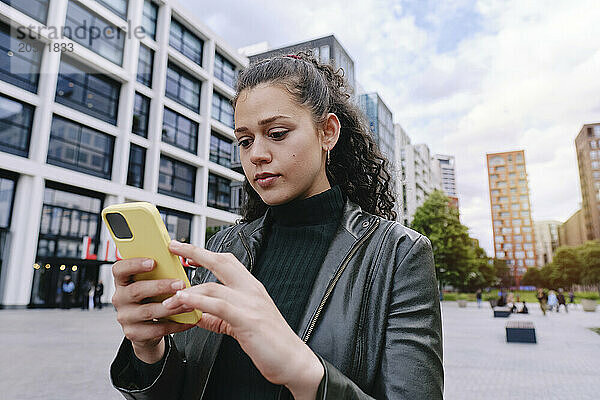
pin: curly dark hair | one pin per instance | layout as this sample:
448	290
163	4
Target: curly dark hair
356	163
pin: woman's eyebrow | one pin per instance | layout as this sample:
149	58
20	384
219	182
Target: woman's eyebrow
262	122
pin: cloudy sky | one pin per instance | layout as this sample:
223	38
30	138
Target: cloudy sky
466	77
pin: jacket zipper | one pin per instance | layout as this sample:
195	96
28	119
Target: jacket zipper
330	288
334	281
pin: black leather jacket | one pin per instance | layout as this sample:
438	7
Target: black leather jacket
373	317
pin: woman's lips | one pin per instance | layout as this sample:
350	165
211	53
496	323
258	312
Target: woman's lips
267	181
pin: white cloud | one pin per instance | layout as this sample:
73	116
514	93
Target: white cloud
526	78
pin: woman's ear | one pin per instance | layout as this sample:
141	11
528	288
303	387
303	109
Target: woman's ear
331	131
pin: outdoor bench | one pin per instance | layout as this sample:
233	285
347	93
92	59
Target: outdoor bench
520	332
501	312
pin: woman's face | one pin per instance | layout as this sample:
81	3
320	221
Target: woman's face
277	137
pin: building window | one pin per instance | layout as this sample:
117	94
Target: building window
80	148
184	41
324	54
178	224
220	150
222	110
79	19
182	87
36	9
137	162
176	179
145	63
597	131
15	126
179	131
141	113
7	192
91	93
224	70
119	7
18	67
66	218
149	18
219	192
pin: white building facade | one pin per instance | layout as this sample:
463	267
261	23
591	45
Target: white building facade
546	240
443	166
417	176
129	115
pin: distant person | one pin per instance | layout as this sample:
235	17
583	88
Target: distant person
552	300
85	295
571	297
478	297
510	298
98	294
524	309
543	299
561	300
67	288
501	300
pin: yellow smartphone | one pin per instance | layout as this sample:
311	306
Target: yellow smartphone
138	231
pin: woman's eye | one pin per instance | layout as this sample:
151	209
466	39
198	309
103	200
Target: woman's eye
243	143
277	134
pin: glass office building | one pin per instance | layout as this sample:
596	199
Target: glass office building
110	119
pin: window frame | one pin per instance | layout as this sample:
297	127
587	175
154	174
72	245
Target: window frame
174	164
192	136
22	151
76	145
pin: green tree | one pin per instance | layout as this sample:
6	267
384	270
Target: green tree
590	259
504	274
566	269
533	277
452	248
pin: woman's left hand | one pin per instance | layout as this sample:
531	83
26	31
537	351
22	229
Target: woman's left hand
241	308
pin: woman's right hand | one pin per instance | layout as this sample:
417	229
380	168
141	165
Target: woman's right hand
142	321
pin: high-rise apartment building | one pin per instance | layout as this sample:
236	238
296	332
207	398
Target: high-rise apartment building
572	232
141	114
444	166
417	177
546	240
587	145
326	49
514	237
381	123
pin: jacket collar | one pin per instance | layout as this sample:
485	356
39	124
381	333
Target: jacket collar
354	225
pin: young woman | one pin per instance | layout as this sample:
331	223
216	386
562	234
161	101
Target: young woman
317	292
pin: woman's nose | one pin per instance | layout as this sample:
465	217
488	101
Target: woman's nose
259	153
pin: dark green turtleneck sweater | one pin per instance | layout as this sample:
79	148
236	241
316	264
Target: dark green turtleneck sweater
288	263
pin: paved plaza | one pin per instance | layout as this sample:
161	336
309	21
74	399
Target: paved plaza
63	355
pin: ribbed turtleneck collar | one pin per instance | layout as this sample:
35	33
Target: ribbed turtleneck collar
315	210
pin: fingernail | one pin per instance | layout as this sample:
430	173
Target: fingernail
148	264
177	285
175	244
168	302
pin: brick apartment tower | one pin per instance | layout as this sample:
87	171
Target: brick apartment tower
514	239
587	145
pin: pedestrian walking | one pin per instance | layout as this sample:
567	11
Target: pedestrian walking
543	299
572	297
552	300
85	295
99	290
317	230
478	297
561	300
67	289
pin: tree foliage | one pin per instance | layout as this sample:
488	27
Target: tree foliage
458	260
569	266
